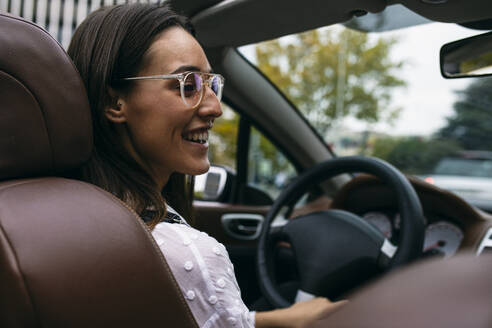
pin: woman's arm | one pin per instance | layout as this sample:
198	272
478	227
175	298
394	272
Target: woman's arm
299	315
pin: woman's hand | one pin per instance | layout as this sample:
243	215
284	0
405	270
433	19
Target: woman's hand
299	315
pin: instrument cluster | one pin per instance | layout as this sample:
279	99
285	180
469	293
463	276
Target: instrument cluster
442	237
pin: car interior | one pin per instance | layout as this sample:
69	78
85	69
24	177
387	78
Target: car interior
73	255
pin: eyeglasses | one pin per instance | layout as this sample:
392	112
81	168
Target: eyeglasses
192	85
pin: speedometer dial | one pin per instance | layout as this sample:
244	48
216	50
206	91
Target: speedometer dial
443	237
381	221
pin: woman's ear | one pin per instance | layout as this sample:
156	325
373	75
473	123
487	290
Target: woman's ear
115	112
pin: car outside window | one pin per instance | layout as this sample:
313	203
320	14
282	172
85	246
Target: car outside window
464	167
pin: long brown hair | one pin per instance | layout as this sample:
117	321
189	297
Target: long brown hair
109	45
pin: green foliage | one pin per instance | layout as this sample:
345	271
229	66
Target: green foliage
471	124
331	74
263	151
307	71
469	128
382	147
413	155
223	145
223	140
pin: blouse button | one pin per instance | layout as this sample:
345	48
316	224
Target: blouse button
221	282
188	265
216	250
186	242
212	299
190	295
232	320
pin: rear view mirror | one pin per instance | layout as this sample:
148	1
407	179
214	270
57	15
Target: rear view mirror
467	57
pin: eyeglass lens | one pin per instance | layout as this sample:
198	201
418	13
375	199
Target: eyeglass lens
193	87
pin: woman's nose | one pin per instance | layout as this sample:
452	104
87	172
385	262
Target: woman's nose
210	105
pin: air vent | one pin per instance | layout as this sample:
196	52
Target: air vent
486	244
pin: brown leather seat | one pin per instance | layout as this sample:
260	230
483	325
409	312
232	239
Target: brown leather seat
71	255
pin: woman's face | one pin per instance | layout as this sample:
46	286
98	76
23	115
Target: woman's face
159	127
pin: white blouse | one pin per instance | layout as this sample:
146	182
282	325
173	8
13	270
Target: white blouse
205	274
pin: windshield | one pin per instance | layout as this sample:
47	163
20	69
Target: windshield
381	94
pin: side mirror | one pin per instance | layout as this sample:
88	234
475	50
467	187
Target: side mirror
467	57
211	185
217	184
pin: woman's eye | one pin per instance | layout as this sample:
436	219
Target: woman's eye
189	89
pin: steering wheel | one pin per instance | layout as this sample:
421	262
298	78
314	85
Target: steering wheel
334	249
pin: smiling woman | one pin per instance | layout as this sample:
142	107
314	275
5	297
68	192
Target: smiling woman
153	100
122	161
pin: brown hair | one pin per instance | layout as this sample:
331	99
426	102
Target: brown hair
109	45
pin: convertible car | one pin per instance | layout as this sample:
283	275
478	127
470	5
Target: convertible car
331	110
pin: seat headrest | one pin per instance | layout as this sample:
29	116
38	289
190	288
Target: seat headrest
45	122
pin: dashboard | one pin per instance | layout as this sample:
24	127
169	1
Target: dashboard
452	225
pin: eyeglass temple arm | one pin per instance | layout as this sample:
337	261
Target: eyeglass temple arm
154	77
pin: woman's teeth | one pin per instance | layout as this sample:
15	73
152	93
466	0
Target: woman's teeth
201	137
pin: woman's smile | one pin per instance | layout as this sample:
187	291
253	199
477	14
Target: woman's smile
198	135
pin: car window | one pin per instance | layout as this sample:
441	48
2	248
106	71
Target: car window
223	138
222	152
268	169
381	94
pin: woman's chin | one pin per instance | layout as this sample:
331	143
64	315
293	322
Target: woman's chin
201	168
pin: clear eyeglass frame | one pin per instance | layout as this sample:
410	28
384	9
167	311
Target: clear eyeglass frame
207	79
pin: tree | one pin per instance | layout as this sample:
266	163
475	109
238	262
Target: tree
471	124
330	74
223	145
413	155
307	70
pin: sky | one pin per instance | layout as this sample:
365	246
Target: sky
428	98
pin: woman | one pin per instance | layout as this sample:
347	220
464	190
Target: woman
153	100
